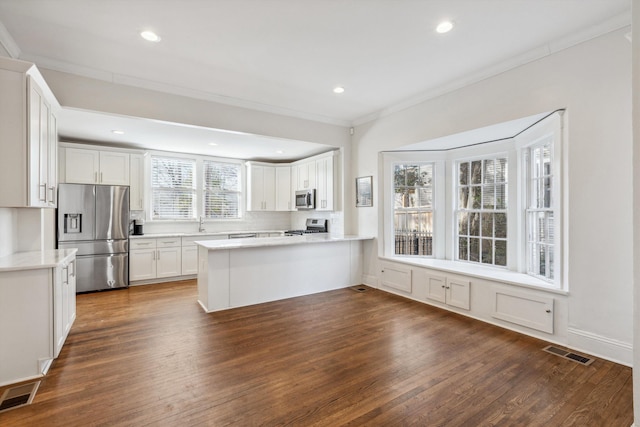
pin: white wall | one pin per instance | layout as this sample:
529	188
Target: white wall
592	81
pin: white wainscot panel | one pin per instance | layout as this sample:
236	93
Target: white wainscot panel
521	308
396	277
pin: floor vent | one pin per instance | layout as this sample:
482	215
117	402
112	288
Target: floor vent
358	288
16	397
568	355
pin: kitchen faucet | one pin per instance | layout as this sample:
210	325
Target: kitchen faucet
201	227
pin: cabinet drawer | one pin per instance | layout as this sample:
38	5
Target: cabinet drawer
167	242
142	243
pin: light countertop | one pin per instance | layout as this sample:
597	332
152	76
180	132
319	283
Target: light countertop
35	260
277	241
203	234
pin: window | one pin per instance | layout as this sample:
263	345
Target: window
173	188
222	193
481	213
540	211
413	208
489	208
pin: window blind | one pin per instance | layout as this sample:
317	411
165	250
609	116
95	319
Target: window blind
222	193
172	188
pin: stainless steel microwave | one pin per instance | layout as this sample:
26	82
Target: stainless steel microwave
306	199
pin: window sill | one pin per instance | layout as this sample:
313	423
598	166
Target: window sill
481	272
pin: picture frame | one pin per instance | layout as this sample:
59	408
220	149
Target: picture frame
364	191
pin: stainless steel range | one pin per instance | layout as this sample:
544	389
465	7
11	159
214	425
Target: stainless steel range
313	226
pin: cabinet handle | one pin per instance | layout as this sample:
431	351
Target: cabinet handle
101	177
44	197
73	263
66	275
158	255
95	177
53	193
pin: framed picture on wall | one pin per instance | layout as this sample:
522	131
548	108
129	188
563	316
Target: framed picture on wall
364	191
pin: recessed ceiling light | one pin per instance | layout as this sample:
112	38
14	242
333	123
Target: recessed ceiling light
279	152
338	89
444	27
118	132
150	36
213	144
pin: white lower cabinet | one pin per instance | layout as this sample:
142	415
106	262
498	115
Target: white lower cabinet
169	261
64	303
155	258
37	310
449	291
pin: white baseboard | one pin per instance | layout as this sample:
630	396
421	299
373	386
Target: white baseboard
599	346
370	280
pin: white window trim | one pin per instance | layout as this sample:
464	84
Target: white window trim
199	206
445	194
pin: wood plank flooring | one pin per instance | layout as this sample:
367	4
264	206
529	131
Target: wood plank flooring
150	356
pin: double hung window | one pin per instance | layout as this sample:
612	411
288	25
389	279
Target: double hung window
481	214
222	192
173	189
540	211
413	208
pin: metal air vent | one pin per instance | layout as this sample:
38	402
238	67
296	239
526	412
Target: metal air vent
568	355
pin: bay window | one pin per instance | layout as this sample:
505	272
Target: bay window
488	208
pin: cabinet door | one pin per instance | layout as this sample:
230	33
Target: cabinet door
136	179
169	262
189	260
269	189
114	168
81	166
52	169
142	264
38	147
283	188
71	296
256	189
59	311
306	175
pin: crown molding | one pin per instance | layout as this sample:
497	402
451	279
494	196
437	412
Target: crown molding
8	43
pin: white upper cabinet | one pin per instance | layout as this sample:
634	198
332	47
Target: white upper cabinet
283	188
84	166
306	175
324	183
28	136
262	187
136	180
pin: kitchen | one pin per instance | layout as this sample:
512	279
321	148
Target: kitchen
604	335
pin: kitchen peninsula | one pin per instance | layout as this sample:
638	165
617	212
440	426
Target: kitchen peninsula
240	272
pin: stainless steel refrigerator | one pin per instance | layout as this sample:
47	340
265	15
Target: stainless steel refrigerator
95	219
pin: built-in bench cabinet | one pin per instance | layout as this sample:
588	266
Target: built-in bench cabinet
29	137
37	310
525	309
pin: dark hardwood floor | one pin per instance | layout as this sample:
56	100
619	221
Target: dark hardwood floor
150	356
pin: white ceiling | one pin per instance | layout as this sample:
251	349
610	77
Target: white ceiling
285	56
